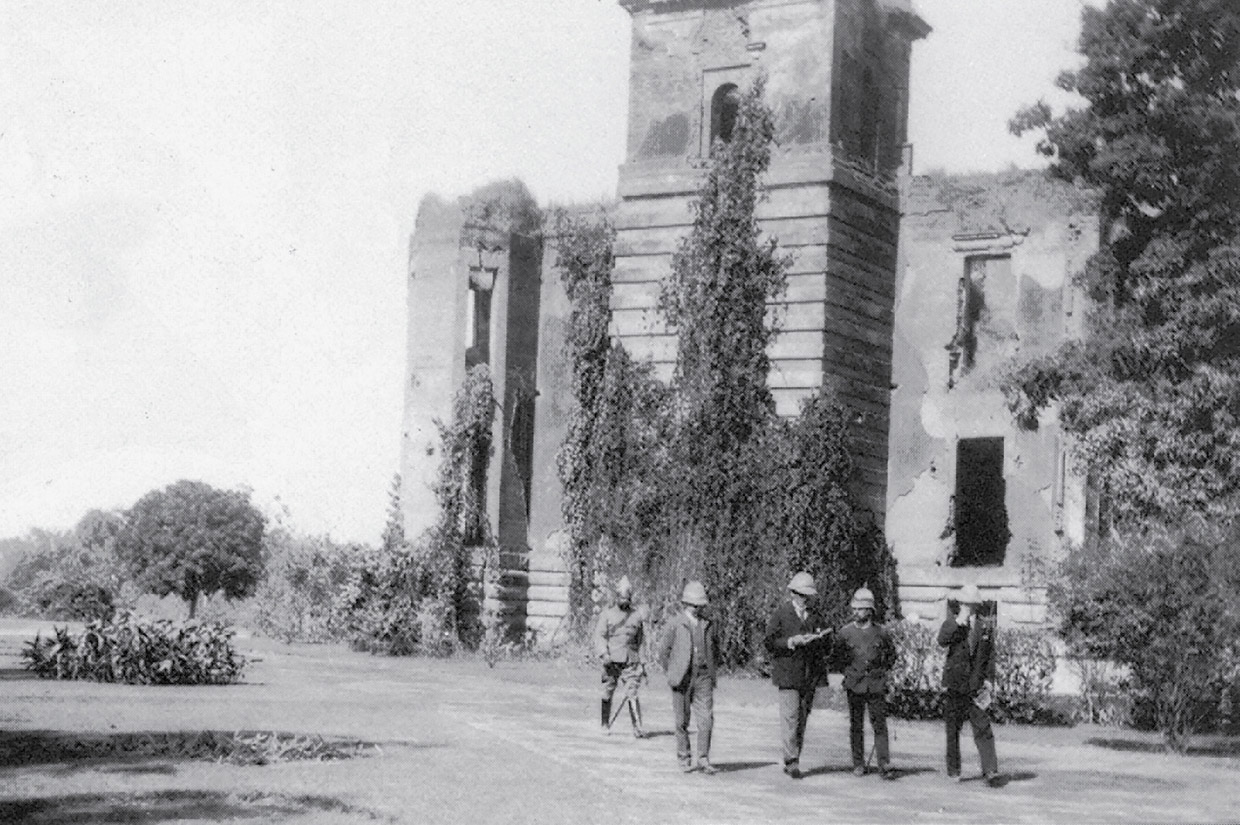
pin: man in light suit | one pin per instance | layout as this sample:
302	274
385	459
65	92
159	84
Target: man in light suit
688	653
968	676
794	640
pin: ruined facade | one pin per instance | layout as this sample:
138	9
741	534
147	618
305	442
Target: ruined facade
905	296
986	275
837	80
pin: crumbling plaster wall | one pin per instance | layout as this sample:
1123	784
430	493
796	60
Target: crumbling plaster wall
487	237
1049	229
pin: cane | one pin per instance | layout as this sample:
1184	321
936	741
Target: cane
619	708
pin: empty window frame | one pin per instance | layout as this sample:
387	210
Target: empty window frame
724	106
970	302
980	503
477	326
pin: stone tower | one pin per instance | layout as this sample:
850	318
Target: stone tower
837	80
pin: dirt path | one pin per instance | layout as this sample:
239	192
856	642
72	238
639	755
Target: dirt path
464	743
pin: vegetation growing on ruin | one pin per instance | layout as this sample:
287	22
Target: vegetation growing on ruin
700	478
421	595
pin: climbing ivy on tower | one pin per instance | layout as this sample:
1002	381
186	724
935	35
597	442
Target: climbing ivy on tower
700	478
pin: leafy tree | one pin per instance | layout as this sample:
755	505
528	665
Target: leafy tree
192	539
70	575
1163	602
1152	390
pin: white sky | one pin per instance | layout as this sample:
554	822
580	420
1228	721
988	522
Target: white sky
205	210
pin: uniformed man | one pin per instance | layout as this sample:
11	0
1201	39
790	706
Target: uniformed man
617	642
866	653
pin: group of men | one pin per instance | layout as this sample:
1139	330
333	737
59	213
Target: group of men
801	648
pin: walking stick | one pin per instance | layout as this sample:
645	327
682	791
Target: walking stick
619	708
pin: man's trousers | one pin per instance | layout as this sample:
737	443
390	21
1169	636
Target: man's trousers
877	704
956	708
698	699
794	708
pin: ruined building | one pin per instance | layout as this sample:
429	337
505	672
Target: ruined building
986	274
483	288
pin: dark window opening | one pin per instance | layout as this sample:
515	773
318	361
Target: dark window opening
478	331
521	441
474	510
724	106
981	510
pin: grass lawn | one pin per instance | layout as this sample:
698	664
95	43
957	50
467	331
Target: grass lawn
459	742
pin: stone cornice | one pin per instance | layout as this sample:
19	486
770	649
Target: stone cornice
675	177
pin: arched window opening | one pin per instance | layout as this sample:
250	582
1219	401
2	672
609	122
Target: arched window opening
724	105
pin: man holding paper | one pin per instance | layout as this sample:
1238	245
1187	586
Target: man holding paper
794	642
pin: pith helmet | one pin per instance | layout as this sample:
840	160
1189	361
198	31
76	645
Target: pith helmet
803	583
969	594
694	594
624	588
863	598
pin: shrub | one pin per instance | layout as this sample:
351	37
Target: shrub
304	576
379	607
138	651
1163	603
1024	665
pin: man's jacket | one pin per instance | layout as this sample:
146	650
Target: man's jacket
970	655
618	635
865	655
800	668
676	650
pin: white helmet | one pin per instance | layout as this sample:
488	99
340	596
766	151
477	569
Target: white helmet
803	583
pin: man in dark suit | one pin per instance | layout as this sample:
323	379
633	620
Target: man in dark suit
794	642
688	654
968	676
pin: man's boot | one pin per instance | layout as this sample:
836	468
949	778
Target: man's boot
606	716
635	716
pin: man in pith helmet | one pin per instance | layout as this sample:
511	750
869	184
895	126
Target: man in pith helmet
688	653
794	640
866	653
617	642
968	678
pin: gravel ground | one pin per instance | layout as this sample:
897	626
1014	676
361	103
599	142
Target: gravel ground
460	742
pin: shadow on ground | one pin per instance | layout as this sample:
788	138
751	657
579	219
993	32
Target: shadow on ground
1225	748
84	750
732	767
168	806
900	773
822	770
1007	778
